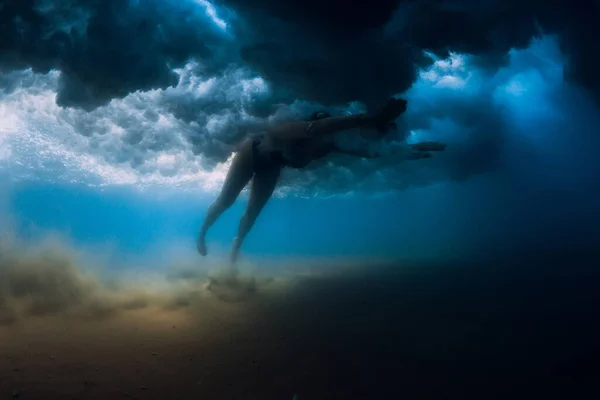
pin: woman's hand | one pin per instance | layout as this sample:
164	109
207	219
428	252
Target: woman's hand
417	155
428	146
422	149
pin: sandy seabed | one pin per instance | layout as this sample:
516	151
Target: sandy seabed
516	328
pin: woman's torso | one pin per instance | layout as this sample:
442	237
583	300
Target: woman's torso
294	153
299	153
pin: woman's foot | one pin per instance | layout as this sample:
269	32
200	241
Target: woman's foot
392	110
235	251
201	245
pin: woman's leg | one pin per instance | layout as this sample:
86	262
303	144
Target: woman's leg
263	185
238	176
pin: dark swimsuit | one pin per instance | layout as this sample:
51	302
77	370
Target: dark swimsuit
263	160
274	159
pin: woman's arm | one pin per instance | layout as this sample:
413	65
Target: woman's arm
331	125
327	126
415	151
360	153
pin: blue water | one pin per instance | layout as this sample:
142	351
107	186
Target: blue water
442	221
390	226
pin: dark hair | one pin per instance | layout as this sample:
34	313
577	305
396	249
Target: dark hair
317	115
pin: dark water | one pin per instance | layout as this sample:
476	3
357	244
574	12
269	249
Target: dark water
512	327
524	326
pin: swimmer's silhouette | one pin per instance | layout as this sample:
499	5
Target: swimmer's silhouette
292	145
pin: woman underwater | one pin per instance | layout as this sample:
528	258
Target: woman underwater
292	145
